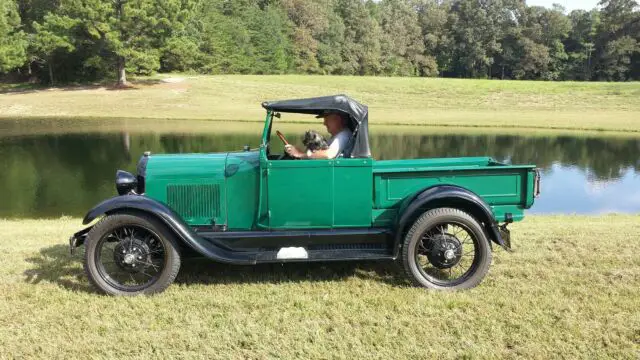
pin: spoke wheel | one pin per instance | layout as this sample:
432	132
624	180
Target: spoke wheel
446	249
446	253
130	258
130	254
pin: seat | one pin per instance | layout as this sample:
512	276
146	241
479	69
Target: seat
346	152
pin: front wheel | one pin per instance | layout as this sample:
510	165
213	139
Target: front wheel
446	249
130	255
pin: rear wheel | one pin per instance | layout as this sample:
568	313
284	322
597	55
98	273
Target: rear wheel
446	249
130	255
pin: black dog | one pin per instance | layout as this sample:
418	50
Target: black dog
314	141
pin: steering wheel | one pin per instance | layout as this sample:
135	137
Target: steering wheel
285	142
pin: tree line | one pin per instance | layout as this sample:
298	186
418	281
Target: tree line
84	40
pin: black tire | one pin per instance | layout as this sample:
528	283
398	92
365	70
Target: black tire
155	234
430	225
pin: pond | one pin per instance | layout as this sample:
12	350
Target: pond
48	175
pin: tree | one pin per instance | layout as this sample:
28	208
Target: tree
130	33
548	27
52	36
401	42
68	40
580	44
617	57
224	39
434	18
618	40
12	40
310	20
361	45
272	51
330	44
476	28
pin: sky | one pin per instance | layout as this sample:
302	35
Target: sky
568	4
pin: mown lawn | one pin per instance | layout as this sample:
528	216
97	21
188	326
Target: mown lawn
414	101
570	290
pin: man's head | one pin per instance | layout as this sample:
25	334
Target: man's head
334	121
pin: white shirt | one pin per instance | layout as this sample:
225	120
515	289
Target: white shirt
338	143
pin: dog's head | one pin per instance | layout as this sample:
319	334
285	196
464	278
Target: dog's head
314	141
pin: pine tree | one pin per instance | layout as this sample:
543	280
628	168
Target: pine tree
129	32
12	40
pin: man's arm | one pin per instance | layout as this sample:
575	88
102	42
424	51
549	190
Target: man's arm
330	153
294	151
323	154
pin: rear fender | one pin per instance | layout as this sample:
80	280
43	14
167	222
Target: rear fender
182	231
446	196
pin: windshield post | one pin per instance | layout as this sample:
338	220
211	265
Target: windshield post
267	126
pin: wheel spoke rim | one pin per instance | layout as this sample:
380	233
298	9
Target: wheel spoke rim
453	239
130	257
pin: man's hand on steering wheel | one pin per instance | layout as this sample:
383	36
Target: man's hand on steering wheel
289	150
293	152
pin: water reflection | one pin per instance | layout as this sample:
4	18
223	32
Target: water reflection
53	175
604	158
569	189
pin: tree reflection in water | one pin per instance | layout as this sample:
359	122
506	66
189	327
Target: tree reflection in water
53	175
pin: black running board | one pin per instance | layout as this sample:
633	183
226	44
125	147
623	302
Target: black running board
330	253
241	241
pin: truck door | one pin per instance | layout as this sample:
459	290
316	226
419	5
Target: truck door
352	192
300	194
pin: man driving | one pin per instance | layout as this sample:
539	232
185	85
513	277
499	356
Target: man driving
336	124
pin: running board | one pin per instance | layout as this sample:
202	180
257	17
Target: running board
325	253
251	241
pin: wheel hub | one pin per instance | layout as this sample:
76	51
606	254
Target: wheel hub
449	255
129	259
132	255
445	251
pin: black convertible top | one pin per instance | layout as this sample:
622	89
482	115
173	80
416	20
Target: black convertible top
358	116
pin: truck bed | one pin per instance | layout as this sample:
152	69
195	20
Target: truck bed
506	188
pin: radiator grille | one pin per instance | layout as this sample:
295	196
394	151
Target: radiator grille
195	201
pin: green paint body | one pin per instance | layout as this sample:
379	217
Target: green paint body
251	190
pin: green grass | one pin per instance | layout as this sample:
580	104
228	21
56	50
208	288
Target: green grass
570	290
392	101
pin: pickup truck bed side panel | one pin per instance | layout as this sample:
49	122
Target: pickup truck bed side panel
507	189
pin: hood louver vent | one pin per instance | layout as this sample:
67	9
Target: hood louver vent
197	201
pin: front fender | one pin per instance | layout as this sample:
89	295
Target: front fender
452	196
172	220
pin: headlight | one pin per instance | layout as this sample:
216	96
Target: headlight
125	182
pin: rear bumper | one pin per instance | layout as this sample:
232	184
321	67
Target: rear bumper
536	183
506	236
78	239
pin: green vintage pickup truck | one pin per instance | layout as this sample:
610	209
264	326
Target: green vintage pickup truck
438	218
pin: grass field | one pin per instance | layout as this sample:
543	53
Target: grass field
570	290
392	101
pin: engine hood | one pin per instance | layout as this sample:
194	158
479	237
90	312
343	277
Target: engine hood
177	165
196	186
